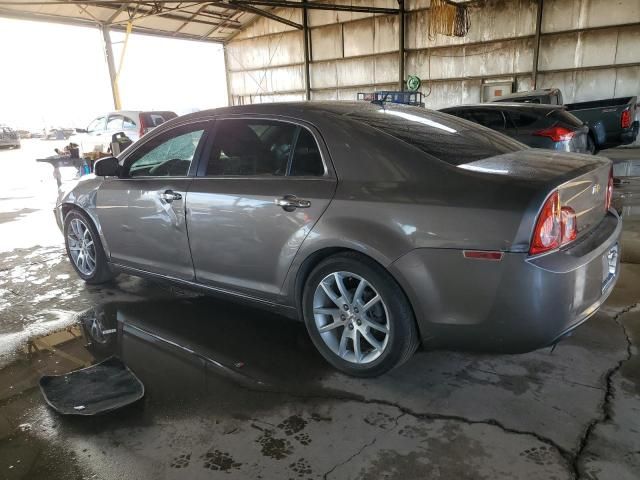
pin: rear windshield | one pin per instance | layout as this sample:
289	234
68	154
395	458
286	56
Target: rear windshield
566	117
155	119
445	137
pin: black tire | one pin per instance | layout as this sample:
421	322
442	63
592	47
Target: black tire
101	273
591	145
402	333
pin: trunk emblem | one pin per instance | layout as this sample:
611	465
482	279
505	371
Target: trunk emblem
595	189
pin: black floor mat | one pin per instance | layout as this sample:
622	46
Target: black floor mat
97	389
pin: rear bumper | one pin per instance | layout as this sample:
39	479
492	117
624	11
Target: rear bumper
517	304
630	135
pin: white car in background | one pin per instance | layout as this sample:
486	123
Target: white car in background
98	134
9	137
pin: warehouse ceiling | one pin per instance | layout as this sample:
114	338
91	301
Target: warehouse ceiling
215	21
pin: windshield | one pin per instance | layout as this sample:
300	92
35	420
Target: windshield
445	137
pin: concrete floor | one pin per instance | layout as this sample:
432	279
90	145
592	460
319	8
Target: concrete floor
236	393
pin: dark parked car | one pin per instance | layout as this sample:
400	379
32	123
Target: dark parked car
612	121
539	126
380	226
9	137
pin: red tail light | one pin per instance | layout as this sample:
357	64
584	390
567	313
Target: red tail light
555	226
557	134
569	225
609	195
547	234
625	119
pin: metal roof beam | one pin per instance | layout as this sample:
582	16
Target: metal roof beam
317	6
267	3
80	22
272	16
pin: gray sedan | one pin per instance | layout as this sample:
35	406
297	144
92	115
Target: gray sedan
381	227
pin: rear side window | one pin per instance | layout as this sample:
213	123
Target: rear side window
251	147
442	136
523	119
493	119
565	117
306	161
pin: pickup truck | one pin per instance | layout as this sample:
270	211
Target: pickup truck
611	122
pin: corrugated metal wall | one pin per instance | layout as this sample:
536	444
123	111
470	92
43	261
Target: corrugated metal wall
589	48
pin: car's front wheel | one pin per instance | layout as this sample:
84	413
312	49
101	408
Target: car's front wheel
85	249
358	317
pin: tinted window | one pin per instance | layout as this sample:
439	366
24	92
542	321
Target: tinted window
251	147
489	118
522	119
442	136
566	117
169	154
306	159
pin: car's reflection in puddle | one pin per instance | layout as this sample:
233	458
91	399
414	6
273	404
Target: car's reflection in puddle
193	352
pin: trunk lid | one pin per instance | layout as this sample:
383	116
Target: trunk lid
581	180
586	194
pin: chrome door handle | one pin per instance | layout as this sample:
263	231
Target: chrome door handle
169	196
291	202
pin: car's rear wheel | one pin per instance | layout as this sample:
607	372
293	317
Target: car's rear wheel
591	145
85	249
358	317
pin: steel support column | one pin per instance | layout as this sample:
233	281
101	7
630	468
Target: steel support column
307	44
227	75
536	45
108	50
401	45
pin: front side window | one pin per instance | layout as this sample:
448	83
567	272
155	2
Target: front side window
114	122
95	125
167	155
251	147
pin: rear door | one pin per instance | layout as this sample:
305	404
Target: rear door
254	200
142	213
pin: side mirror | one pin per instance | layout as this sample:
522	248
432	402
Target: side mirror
107	167
81	130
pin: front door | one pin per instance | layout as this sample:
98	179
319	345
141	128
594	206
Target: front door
142	213
254	201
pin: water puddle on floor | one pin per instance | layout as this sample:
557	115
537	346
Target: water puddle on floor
196	357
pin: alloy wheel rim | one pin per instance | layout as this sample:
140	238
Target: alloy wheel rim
81	247
351	317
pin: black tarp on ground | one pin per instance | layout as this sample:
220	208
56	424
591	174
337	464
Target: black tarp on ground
101	388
